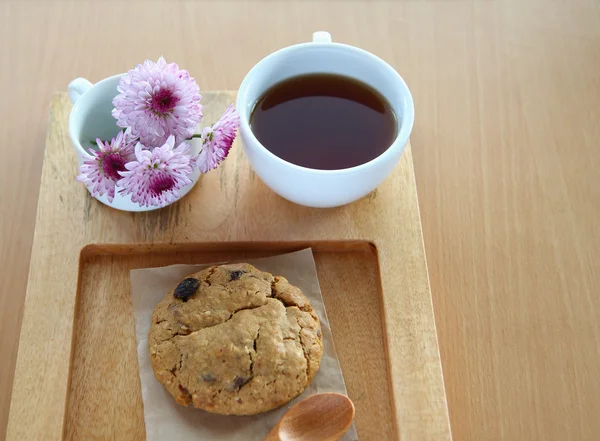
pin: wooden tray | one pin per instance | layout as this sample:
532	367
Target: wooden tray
77	377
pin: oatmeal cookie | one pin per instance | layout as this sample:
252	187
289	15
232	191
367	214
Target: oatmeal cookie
235	340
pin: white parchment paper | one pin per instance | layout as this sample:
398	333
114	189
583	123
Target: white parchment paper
167	420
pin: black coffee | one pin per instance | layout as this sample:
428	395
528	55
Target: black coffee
324	121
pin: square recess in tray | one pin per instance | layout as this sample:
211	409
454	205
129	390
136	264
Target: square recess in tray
105	399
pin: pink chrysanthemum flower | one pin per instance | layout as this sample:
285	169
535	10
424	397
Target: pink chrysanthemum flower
217	140
100	169
156	176
158	100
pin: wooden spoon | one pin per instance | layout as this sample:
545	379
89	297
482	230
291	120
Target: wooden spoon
320	417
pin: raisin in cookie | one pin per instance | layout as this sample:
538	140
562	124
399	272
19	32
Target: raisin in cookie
235	340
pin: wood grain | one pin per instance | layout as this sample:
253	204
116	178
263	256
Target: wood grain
77	344
505	150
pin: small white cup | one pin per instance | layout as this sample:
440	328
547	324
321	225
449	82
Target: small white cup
323	188
91	118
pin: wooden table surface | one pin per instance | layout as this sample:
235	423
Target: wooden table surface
507	157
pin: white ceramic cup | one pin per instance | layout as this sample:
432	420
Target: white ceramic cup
91	118
323	188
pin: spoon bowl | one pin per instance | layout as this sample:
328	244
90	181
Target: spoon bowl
320	417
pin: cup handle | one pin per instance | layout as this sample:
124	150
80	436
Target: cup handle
321	37
78	87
